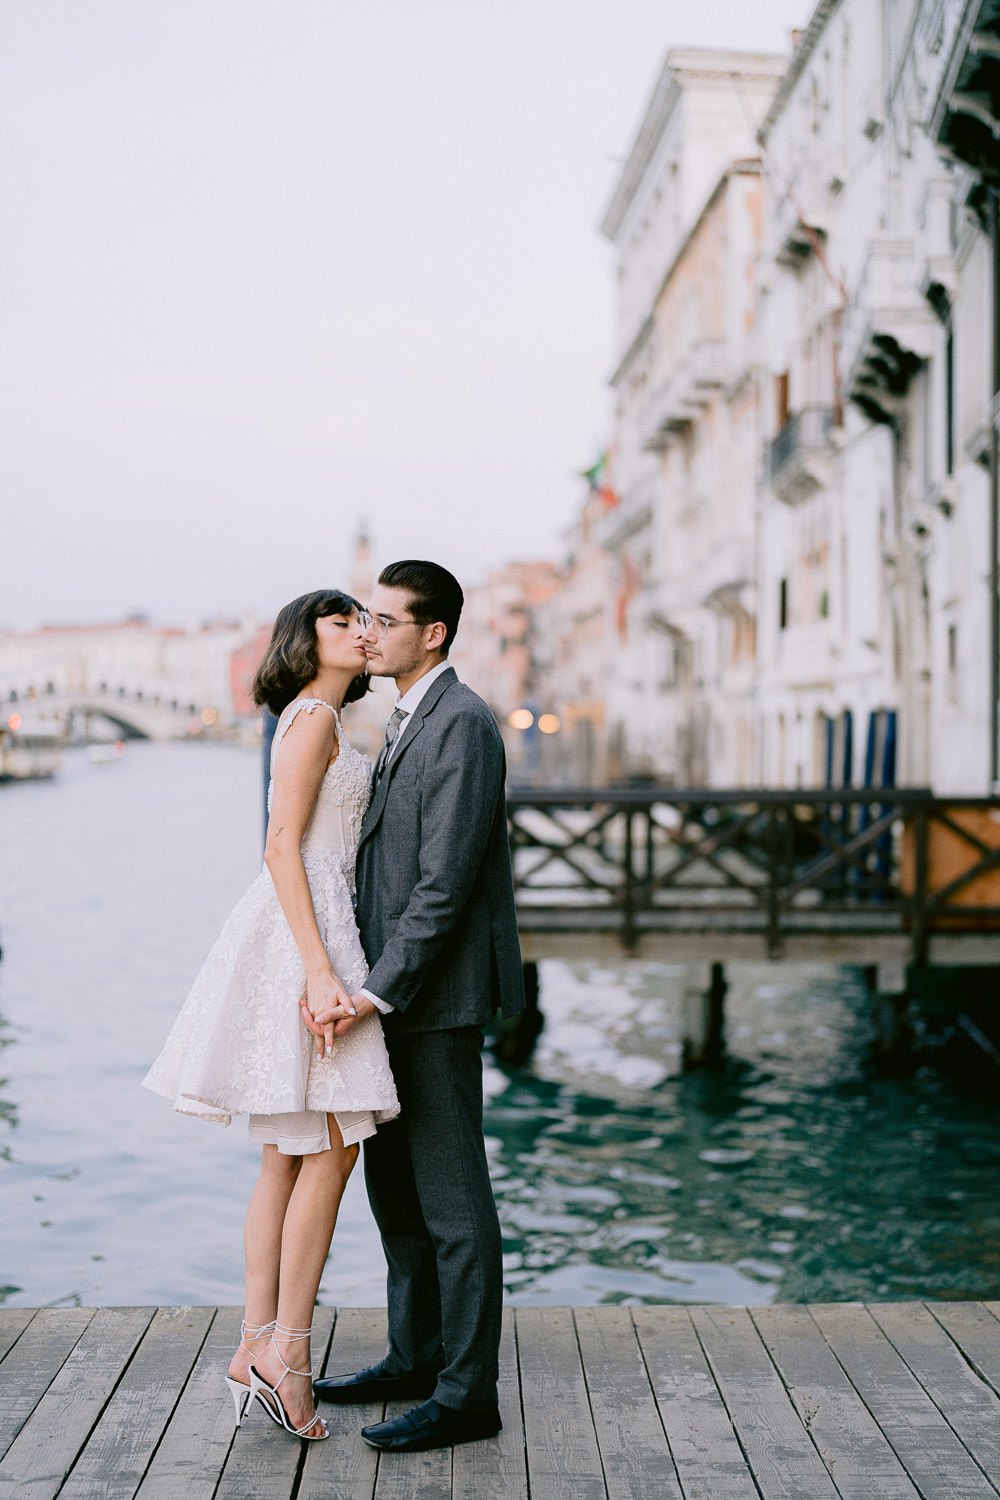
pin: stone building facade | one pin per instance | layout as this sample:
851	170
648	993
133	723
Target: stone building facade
797	575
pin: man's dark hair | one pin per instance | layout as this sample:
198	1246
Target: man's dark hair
435	594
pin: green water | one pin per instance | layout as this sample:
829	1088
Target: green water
791	1173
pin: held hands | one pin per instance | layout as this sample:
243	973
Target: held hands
339	1020
325	1004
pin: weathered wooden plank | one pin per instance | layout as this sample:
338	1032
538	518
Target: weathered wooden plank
971	1408
564	1462
495	1470
779	1450
13	1322
634	1451
264	1460
344	1467
121	1445
34	1362
705	1448
850	1443
976	1332
413	1476
47	1446
194	1448
938	1464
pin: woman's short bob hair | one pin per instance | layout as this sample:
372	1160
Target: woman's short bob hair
292	658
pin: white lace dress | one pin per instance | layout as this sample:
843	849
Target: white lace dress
239	1045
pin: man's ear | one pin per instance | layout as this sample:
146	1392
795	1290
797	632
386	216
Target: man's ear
435	637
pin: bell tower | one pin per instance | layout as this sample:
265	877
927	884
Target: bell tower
362	572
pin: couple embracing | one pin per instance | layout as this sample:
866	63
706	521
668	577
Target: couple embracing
344	1002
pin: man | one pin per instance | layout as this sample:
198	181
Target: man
437	921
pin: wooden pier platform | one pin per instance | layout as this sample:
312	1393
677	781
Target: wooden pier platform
878	1402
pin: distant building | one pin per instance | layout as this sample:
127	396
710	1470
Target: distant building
685	217
498	649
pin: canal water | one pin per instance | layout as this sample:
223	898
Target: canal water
793	1173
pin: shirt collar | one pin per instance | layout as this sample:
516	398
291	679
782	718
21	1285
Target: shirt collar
409	700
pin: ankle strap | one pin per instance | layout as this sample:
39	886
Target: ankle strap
281	1332
254	1331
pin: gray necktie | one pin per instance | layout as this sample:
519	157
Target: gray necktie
391	731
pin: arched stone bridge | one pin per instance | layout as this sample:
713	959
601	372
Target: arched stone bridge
135	716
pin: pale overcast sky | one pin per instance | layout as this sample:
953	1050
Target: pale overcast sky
269	268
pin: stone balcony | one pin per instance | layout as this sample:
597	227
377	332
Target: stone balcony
725	576
677	401
800	457
889	327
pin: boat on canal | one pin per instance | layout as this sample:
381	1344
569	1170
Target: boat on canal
30	750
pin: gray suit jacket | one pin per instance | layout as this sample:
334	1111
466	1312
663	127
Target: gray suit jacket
435	892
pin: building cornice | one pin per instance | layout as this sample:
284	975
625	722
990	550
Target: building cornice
681	65
662	103
818	22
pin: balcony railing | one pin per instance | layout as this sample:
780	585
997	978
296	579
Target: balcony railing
799	453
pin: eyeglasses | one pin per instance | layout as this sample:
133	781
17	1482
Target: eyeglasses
382	624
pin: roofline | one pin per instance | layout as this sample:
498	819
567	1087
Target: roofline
666	90
818	22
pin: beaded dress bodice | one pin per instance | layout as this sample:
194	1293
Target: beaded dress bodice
335	826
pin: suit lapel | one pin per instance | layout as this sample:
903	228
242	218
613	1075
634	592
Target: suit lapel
433	694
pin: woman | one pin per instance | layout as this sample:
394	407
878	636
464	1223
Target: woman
240	1044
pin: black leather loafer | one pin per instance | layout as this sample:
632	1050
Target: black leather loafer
432	1426
375	1384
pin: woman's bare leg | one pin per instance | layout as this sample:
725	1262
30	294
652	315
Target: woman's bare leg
262	1251
309	1222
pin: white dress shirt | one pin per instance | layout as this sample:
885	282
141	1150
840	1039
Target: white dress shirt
407	702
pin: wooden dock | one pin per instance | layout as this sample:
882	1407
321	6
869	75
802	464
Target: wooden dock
883	1402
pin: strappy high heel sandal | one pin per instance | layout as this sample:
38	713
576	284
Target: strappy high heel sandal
240	1392
261	1391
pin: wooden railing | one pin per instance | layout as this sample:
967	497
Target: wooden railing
636	860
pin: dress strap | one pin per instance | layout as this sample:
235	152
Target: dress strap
310	705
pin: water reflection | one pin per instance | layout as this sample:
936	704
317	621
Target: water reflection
788	1174
8	1109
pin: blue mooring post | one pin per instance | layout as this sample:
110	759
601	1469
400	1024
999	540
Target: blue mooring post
270	724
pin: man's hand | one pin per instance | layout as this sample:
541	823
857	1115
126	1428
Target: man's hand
338	1021
325	1000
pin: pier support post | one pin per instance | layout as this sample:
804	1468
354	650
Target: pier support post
888	985
704	1014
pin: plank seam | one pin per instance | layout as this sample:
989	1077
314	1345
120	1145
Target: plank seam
24	1330
887	1435
969	1359
930	1398
184	1385
304	1447
788	1391
55	1373
590	1404
520	1404
656	1403
726	1407
107	1402
121	1376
